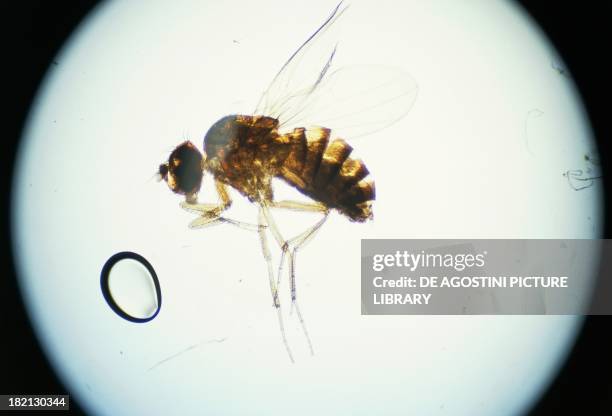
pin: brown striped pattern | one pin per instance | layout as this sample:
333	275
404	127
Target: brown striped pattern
324	172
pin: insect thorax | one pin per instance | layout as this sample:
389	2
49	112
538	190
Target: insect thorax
240	152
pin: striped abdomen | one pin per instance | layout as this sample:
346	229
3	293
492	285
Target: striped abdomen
324	172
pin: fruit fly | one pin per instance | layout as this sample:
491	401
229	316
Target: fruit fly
246	152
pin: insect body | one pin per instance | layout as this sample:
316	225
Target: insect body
246	152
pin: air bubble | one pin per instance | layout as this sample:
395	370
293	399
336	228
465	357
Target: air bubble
130	287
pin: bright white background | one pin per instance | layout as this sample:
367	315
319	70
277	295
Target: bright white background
481	154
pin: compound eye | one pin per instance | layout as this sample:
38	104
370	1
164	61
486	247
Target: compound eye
184	169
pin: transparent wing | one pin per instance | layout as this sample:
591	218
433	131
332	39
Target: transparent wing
298	77
353	101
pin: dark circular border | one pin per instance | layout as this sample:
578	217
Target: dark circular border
104	284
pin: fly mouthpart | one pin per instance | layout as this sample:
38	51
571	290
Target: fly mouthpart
162	173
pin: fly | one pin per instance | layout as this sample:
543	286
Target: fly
246	152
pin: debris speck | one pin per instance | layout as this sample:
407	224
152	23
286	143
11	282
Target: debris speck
191	347
559	68
579	180
588	157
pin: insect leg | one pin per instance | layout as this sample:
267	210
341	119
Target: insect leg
202	222
273	288
210	214
295	206
282	243
299	242
209	210
296	242
299	206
